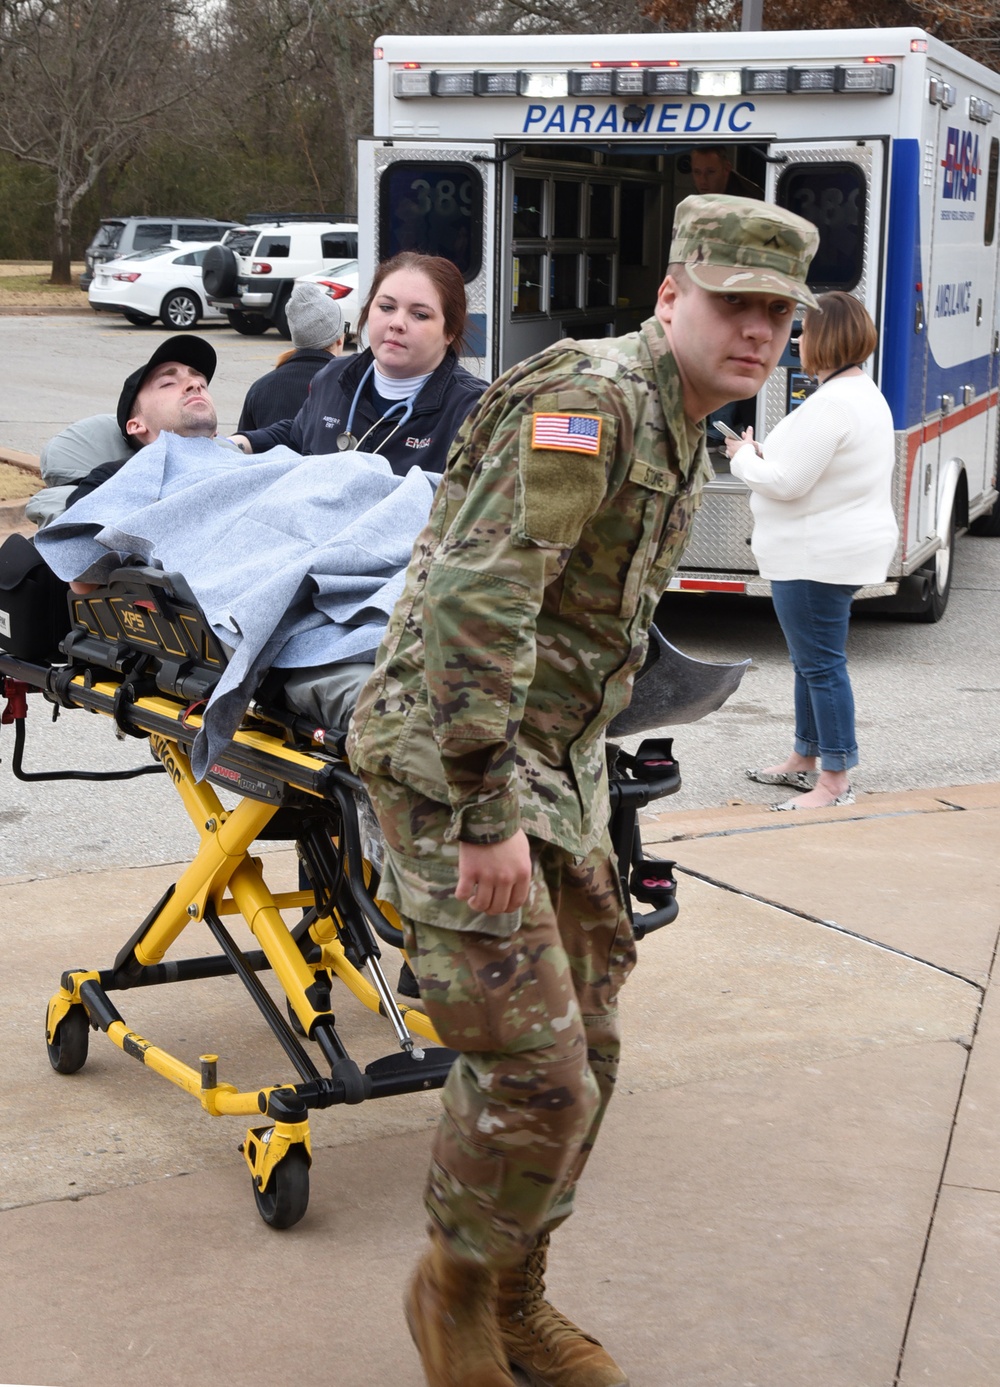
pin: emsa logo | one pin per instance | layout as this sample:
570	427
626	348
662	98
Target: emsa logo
960	164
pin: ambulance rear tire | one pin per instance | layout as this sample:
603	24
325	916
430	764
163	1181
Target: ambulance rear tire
939	574
987	526
286	1198
68	1046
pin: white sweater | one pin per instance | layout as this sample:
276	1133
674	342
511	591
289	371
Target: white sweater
822	492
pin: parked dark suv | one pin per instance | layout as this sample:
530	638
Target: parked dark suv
117	236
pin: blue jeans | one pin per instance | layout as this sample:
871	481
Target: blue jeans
814	618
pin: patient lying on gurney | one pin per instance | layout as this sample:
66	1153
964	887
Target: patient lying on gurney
296	562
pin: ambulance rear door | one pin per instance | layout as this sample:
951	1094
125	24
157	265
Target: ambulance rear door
438	198
839	186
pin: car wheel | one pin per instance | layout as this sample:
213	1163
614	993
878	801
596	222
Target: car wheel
247	324
180	310
138	319
219	271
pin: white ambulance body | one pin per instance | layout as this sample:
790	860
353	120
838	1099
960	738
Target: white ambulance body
548	168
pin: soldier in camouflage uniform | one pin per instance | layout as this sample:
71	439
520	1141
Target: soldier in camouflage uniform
563	513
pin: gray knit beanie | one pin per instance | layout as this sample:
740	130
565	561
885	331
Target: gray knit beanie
315	319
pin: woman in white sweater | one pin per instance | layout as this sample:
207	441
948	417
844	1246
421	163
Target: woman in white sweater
823	527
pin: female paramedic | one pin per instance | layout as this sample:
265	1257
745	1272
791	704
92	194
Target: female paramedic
406	395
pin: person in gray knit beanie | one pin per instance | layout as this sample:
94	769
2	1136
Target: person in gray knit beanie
316	325
314	318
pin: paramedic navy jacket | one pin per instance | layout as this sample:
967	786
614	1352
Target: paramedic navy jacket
423	441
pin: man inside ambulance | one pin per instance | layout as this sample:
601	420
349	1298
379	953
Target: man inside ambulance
713	172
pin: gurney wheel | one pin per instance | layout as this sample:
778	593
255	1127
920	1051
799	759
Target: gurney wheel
286	1198
68	1047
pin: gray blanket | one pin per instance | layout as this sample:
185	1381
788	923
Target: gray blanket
295	561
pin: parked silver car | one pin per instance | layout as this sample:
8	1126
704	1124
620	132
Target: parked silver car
118	236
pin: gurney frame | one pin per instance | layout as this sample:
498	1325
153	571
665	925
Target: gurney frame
141	653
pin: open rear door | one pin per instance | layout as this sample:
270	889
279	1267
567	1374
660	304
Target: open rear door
839	186
437	198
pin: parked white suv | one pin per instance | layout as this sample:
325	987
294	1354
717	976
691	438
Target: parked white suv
252	289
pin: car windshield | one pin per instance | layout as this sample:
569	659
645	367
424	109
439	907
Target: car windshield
109	234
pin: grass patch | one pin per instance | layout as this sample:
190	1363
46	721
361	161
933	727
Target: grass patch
33	284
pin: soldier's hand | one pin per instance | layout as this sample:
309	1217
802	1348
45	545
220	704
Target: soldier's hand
494	877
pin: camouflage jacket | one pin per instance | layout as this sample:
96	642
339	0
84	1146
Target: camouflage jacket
524	619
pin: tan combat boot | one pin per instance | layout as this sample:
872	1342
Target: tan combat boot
548	1348
451	1308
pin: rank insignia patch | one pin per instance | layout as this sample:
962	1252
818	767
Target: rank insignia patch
572	433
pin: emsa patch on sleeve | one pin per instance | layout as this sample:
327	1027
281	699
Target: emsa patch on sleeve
567	433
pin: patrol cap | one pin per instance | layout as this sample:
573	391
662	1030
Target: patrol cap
737	245
189	351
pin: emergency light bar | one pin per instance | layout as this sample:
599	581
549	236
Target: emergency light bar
759	81
669	81
980	110
619	81
637	80
708	82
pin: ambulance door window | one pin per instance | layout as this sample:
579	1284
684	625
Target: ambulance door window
834	198
435	209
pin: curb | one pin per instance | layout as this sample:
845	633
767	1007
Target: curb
678	825
28	462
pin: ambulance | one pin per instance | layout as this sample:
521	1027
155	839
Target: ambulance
548	168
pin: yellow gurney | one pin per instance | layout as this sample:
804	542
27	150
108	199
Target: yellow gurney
141	653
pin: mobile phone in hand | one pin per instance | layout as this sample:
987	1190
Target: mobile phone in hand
725	430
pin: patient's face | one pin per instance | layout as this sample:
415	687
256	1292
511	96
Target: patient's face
173	397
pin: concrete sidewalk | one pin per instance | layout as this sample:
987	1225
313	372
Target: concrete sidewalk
798	1184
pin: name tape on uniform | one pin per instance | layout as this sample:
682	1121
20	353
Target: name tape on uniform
572	433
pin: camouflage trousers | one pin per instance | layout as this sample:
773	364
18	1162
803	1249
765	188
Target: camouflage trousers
529	1002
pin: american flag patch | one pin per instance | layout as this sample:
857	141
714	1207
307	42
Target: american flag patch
573	433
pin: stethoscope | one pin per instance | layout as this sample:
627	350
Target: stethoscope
346	440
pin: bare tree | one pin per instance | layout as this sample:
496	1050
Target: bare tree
80	81
971	25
